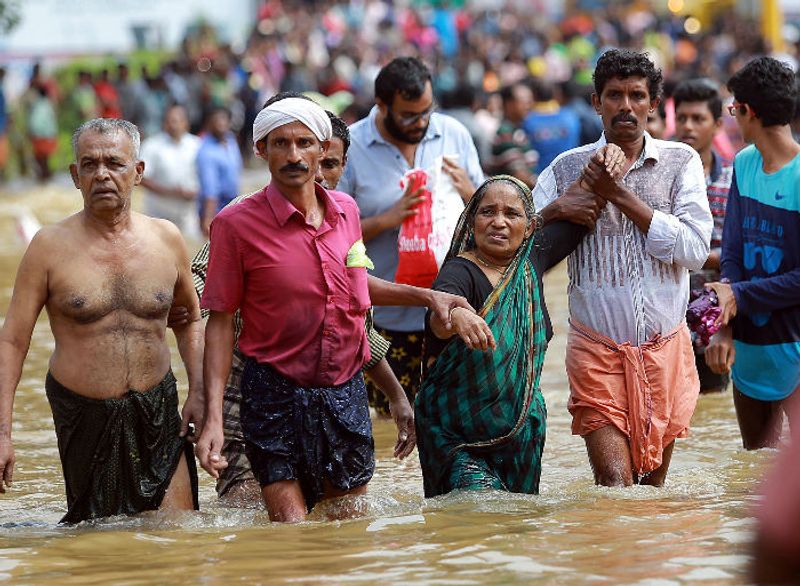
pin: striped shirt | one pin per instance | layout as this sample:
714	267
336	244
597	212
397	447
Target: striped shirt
718	185
624	284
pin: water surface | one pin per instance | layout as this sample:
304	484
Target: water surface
694	530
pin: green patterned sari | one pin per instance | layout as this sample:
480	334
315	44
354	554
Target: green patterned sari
480	416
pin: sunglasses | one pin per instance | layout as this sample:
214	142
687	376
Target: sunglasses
410	119
733	108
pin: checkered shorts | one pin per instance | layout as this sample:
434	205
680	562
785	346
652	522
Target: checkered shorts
238	469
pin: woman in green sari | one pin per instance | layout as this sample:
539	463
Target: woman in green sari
480	415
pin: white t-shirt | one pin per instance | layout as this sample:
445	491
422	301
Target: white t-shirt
172	164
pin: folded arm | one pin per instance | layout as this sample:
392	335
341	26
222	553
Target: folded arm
683	237
575	204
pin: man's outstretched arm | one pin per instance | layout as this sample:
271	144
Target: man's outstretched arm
440	303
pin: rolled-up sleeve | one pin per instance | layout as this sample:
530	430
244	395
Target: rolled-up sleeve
683	237
546	190
472	163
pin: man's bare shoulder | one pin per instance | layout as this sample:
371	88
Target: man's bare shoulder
162	235
56	237
52	246
158	227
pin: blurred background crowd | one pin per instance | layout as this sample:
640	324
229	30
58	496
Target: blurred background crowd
192	75
482	53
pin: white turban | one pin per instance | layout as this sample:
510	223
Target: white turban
292	110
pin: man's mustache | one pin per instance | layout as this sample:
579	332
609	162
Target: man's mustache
623	117
295	167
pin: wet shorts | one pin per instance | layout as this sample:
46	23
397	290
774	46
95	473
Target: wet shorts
308	434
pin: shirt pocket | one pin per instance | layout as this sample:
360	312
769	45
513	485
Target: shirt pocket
359	291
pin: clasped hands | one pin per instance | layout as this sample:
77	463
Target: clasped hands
602	173
584	200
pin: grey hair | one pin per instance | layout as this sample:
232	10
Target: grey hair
107	126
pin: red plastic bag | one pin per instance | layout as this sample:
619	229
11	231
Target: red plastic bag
417	262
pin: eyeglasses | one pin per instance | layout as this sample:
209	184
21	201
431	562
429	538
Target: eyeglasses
410	119
733	108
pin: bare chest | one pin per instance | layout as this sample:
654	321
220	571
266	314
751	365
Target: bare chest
88	291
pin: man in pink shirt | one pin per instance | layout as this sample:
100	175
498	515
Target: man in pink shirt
292	260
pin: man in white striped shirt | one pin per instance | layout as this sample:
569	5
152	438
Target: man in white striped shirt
633	386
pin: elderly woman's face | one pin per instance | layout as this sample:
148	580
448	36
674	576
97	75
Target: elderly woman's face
500	223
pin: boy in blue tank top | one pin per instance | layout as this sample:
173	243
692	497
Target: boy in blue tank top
761	255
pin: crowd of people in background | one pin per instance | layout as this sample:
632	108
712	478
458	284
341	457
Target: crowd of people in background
337	49
555	114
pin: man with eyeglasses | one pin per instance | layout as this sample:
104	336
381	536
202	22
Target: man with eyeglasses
761	255
403	131
698	117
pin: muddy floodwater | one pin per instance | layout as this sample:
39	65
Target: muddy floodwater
693	531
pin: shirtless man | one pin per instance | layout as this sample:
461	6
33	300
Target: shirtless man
108	277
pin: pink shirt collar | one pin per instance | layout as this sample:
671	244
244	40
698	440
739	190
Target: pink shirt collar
283	208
